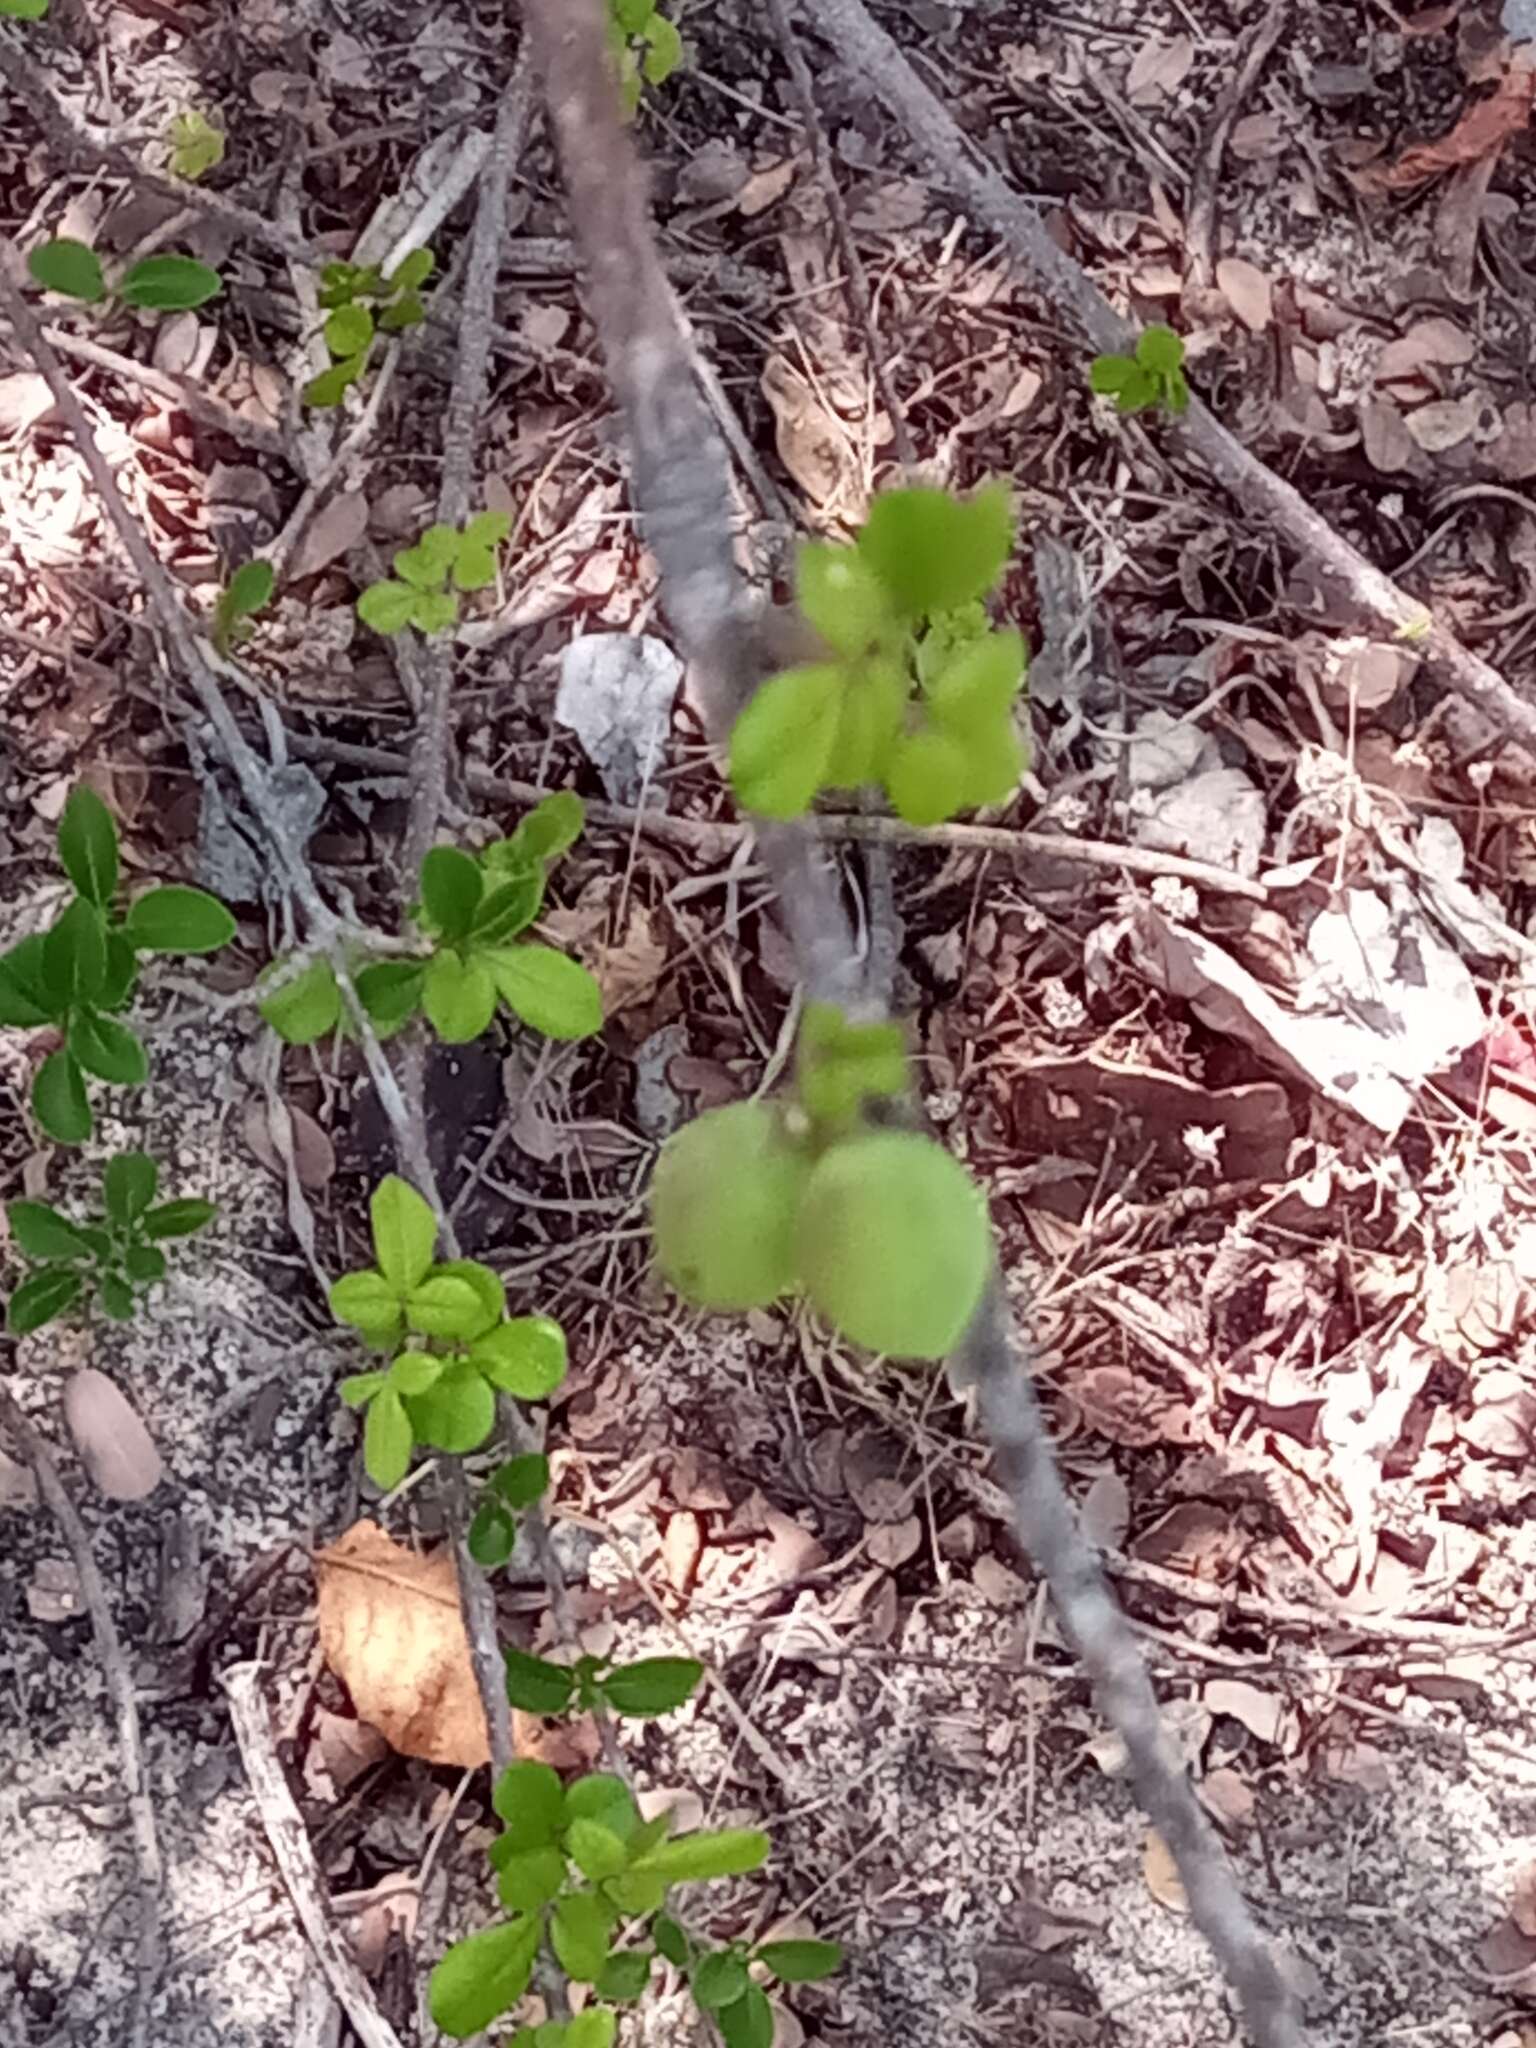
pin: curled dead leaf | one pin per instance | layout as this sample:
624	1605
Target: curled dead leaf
1161	1874
314	1156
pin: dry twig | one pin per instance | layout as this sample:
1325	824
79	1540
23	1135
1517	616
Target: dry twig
150	1958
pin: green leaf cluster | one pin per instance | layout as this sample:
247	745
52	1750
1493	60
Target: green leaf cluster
23	10
881	1230
247	592
160	284
474	911
646	48
917	692
419	593
513	1486
455	1345
196	145
655	1685
81	973
575	1863
1153	376
360	304
118	1251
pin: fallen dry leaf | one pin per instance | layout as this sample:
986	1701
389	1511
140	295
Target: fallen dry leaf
1482	131
314	1156
341	1749
1161	1874
1265	1714
892	1543
1247	290
1227	1796
115	1447
391	1631
573	1745
1158	68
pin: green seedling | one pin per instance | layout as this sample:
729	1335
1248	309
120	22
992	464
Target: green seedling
511	1488
23	10
196	145
881	1230
646	48
159	284
917	692
588	1883
453	1342
118	1253
472	912
1153	376
418	594
360	304
81	974
248	591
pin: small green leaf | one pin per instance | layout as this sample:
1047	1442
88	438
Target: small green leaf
455	1415
122	971
686	1859
174	919
329	388
129	1185
749	2022
370	1304
348	331
1160	350
595	2027
522	1480
41	1297
458	996
874	704
387	1440
404	1233
25	1000
74	957
631	16
483	1976
434	611
246	592
402	313
1107	375
671	1942
451	887
509	908
978	686
602	1796
654	1685
537	1686
144	1264
526	1882
933	552
595	1850
926	777
425	566
390	991
491	1539
443	1306
800	1962
525	1356
547	990
88	846
529	1799
169	284
626	1975
1176	392
842	597
782	742
412	271
724	1201
42	1233
550	828
59	1100
718	1979
580	1929
359	1388
492	1294
306	1006
178	1219
386	606
413	1372
664	52
68	267
115	1296
1138	390
196	145
107	1049
487	529
474	569
24	10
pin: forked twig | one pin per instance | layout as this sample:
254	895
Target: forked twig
679	484
150	1958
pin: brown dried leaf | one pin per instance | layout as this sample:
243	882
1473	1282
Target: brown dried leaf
892	1543
1128	1408
1161	1874
115	1447
1106	1511
337	527
1483	129
391	1630
563	1745
1227	1796
1197	1537
340	1750
1436	342
1158	68
1247	290
314	1156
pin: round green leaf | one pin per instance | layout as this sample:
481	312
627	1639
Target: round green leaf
169	284
579	1932
602	1795
442	1306
249	588
509	907
926	777
329	388
59	1100
434	611
654	1685
724	1201
107	1049
782	742
41	1297
178	1219
718	1979
88	846
525	1356
537	1686
74	957
800	1962
491	1539
42	1233
933	552
894	1248
368	1303
1108	375
390	991
474	568
491	1293
1138	389
451	888
664	49
994	761
129	1186
414	1371
548	991
455	1415
550	828
522	1480
412	271
386	606
69	267
387	1440
348	331
175	919
306	1006
404	1233
842	597
978	685
526	1882
144	1264
425	566
595	1850
359	1388
873	705
748	2023
596	2027
1160	350
626	1975
24	10
458	996
484	1976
